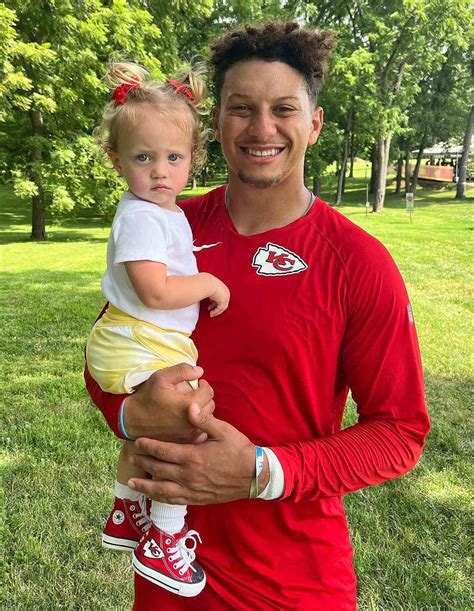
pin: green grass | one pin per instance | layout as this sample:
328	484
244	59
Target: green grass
58	457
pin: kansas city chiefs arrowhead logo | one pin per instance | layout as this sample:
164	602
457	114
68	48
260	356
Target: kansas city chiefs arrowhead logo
151	549
274	260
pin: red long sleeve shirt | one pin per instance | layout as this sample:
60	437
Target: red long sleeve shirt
317	307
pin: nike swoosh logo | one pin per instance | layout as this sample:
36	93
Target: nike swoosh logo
204	246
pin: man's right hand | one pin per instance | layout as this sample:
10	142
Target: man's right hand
159	407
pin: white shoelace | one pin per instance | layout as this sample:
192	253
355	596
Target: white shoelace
183	554
141	517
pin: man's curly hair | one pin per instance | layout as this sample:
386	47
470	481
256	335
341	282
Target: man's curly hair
307	51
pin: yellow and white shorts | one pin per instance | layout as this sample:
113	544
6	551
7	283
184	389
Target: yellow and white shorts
122	351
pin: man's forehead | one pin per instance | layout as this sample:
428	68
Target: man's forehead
276	80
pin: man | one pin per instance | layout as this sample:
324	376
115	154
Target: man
317	307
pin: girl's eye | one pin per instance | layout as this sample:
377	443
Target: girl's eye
174	157
143	157
240	108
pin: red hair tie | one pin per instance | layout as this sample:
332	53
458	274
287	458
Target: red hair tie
119	95
180	88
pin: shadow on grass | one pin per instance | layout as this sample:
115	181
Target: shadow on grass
55	237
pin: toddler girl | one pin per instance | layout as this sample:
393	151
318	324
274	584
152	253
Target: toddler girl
152	134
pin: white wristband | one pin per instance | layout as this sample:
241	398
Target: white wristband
276	483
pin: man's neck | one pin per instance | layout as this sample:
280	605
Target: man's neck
255	209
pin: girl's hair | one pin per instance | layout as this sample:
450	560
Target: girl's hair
181	103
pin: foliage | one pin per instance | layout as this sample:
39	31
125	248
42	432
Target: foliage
55	59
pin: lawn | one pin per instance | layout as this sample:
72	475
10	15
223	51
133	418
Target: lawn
58	457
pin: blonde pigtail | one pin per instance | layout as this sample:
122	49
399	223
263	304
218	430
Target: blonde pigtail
125	73
182	99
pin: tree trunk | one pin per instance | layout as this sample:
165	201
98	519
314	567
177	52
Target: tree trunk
384	151
398	183
416	171
352	155
374	170
38	226
345	153
462	174
194	182
407	170
316	186
340	178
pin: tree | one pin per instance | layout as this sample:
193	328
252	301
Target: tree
402	39
461	187
438	111
55	68
416	27
185	29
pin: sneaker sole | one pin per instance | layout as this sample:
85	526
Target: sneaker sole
181	589
123	545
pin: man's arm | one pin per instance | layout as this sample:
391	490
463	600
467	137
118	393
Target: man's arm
221	469
381	362
159	408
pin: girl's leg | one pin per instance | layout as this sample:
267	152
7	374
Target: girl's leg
168	518
126	470
129	519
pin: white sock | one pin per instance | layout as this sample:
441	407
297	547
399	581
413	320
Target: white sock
168	518
122	491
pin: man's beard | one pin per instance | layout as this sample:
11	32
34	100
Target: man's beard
261	183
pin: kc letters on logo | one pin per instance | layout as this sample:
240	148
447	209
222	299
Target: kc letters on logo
274	260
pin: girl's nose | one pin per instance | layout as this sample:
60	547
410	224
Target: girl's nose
159	169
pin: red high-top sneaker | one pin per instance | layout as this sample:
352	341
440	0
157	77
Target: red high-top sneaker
168	562
127	523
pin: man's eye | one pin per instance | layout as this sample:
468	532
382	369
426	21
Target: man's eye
174	157
284	109
143	157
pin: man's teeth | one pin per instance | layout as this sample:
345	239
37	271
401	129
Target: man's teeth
265	153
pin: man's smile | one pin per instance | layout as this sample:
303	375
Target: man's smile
262	153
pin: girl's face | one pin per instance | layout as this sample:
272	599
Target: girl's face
155	158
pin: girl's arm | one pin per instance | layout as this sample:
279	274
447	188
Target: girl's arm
157	290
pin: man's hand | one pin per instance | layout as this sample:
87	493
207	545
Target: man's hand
159	408
215	471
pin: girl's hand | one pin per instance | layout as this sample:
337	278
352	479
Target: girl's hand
219	299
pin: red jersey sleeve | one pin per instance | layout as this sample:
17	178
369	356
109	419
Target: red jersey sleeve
380	361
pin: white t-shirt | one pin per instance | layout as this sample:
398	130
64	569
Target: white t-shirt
144	231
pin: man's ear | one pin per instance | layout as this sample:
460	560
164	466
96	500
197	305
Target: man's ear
215	123
114	158
317	120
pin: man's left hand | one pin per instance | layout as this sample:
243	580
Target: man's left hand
216	471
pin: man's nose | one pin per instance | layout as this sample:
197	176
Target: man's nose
262	125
